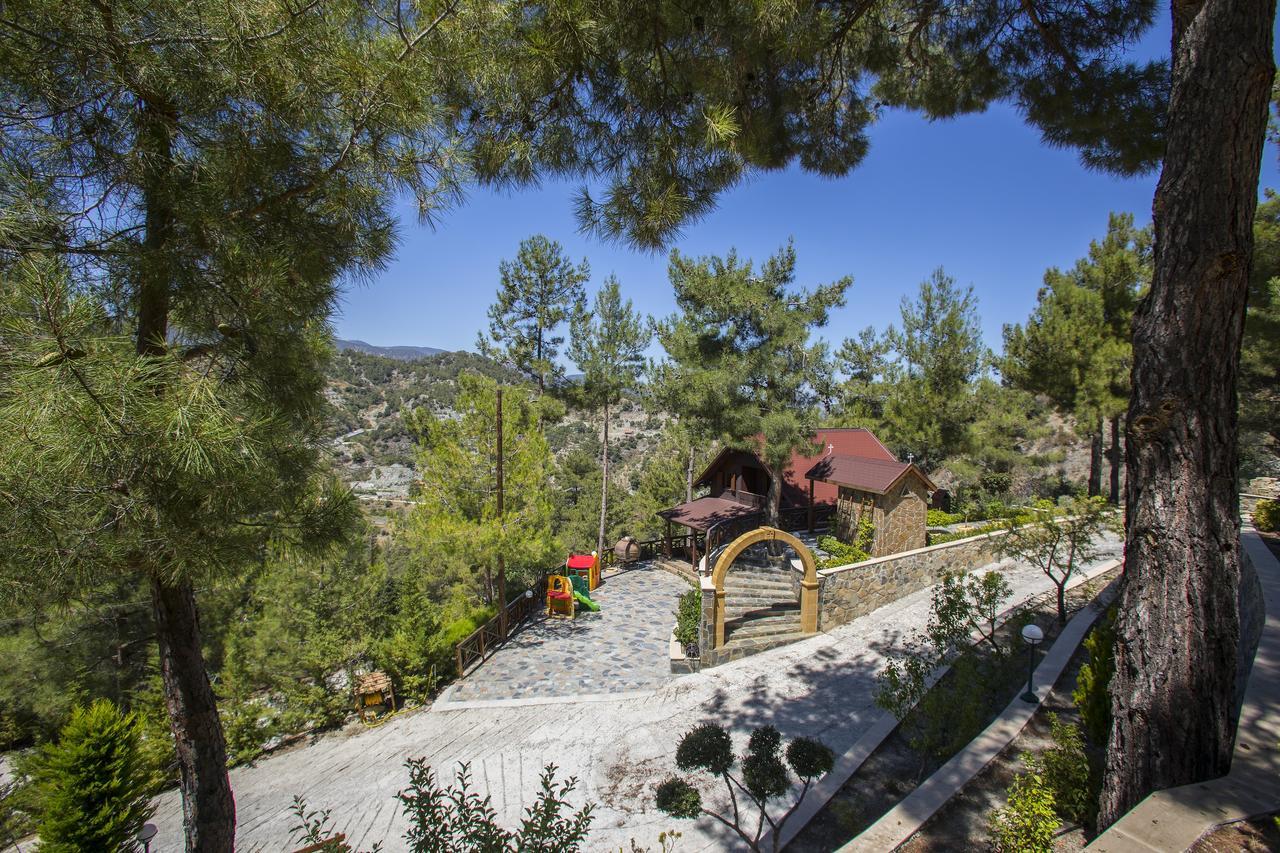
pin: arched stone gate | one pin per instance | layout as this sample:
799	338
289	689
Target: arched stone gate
808	585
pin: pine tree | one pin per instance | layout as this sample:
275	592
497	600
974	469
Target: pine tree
92	785
936	355
740	359
540	290
608	347
456	522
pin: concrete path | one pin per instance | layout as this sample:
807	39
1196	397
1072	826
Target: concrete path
619	748
1174	819
621	649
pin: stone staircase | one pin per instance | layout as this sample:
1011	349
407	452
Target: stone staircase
762	610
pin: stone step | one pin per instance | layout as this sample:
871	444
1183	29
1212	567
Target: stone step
756	602
745	585
735	649
768	627
762	618
759	609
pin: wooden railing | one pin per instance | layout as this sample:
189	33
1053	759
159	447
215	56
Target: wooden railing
792	518
486	639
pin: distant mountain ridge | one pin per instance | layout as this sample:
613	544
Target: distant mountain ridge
398	353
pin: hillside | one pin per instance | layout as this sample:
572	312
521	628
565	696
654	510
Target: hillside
401	353
375	452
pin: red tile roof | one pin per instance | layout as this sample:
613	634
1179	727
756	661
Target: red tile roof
852	441
702	513
869	475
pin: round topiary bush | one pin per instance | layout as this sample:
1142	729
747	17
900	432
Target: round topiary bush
1266	516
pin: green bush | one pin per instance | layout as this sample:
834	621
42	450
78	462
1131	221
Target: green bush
1266	516
1027	823
938	518
92	786
1066	770
842	553
688	617
1091	695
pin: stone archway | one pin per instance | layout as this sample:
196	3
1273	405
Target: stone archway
808	585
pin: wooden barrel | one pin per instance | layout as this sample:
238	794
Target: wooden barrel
627	550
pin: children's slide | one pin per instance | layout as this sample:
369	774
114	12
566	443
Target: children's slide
580	595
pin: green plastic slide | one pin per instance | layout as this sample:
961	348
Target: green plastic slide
586	602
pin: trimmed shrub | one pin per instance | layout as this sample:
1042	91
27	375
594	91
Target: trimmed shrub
1266	516
688	615
92	786
938	518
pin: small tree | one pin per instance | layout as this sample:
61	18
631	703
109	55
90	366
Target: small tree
1027	823
1059	543
92	785
964	604
764	777
540	290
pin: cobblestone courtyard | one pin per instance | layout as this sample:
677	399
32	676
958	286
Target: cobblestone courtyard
622	649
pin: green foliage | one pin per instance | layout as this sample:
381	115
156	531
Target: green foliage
608	347
842	553
938	518
963	604
764	776
1058	542
443	820
1266	516
448	819
741	363
1076	347
1027	823
539	291
689	617
455	524
1259	383
1091	694
706	747
1067	772
92	785
678	798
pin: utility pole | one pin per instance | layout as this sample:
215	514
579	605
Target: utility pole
502	560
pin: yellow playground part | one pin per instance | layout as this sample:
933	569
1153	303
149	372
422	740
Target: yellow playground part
585	566
559	596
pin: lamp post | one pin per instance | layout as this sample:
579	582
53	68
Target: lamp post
145	835
1032	635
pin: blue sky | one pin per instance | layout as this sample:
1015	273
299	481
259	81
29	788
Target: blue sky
979	196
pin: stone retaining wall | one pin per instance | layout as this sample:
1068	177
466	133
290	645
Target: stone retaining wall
848	592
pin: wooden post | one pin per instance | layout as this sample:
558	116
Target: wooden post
666	541
458	650
502	560
693	548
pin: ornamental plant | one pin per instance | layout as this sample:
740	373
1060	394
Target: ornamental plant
763	777
93	786
1027	823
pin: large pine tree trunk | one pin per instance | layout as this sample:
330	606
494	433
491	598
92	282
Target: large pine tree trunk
1172	693
208	809
604	485
1095	461
209	813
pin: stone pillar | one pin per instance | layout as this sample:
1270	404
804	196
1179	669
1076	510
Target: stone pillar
708	628
809	590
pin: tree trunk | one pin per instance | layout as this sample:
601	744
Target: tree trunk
773	503
208	809
604	485
688	477
1113	456
1173	690
209	813
1095	461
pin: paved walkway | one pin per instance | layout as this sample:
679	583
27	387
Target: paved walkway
618	747
621	649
